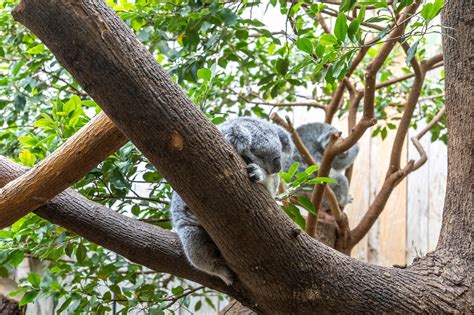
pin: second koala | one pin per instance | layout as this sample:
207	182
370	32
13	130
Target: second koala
265	147
315	137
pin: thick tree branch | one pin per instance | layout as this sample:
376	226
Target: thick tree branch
456	231
142	243
75	158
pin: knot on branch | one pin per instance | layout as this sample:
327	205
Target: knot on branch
175	141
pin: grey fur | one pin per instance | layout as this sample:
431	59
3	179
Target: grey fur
265	147
316	136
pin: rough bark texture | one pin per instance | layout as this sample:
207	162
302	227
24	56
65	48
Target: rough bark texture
458	25
9	307
280	269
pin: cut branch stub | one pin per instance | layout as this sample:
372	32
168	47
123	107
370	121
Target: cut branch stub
74	159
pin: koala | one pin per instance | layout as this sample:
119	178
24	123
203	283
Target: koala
264	147
316	137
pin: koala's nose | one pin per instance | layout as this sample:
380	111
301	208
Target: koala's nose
276	165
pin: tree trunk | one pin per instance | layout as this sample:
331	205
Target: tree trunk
9	307
280	269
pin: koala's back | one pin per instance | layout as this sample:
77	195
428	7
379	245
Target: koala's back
311	133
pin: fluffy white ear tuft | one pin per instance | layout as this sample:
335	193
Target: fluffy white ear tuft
239	137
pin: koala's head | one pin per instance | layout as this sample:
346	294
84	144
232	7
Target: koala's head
259	142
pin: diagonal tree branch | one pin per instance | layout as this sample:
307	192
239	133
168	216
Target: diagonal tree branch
75	158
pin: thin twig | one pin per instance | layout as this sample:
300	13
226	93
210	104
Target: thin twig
416	139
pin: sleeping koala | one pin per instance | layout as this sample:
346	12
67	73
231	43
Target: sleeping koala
315	137
265	147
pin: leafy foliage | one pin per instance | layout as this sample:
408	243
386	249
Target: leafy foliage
230	61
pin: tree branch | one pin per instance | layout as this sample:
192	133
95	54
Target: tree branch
142	243
394	174
416	139
368	119
75	158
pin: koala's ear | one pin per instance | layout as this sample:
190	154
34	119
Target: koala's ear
239	137
323	139
286	143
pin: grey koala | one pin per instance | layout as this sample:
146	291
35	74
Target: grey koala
265	147
316	137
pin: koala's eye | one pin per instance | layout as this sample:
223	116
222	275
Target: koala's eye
247	159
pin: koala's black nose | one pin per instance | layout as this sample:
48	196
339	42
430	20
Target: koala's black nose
276	165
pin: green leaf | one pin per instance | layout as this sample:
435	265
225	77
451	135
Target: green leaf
326	180
218	120
291	171
311	169
34	279
353	28
43	123
361	15
204	74
340	28
36	50
411	52
346	5
229	17
305	45
296	216
19	101
282	66
71	104
63	307
27	158
327	40
197	306
81	253
28	140
28	297
4	272
306	203
152	177
135	210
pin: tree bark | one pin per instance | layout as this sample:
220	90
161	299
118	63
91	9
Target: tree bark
280	269
9	307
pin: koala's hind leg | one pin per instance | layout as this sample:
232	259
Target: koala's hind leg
203	254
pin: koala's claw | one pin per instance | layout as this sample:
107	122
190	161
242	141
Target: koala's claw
256	173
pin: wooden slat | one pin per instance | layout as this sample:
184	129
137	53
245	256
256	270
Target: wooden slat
438	169
418	202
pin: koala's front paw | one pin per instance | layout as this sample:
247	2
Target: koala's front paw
256	173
